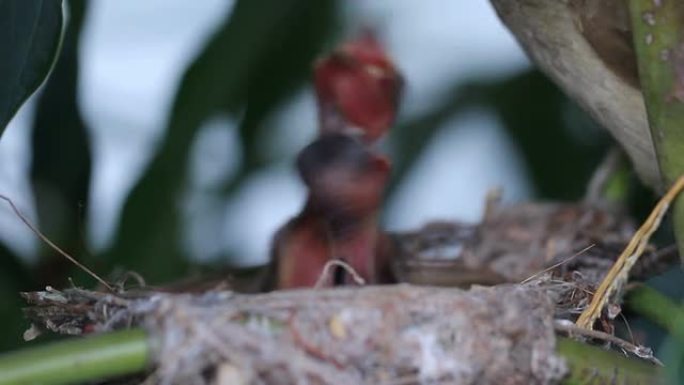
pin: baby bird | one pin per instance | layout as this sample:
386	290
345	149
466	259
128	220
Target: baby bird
346	183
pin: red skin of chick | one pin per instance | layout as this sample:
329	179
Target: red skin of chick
300	251
358	89
340	218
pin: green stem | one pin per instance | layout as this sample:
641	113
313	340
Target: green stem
77	360
593	365
128	352
658	29
658	308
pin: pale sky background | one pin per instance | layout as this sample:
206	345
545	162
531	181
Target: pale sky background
133	54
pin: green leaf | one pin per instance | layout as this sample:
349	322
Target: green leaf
32	32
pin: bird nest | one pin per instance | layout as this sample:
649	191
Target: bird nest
388	334
398	334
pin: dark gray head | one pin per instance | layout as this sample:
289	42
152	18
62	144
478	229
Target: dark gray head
344	178
330	153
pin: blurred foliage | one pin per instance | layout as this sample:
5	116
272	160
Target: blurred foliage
14	277
61	157
665	315
31	37
548	128
257	59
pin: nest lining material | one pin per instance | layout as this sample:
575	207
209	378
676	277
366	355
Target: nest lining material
398	334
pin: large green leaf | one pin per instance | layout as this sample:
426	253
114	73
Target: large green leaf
261	53
31	33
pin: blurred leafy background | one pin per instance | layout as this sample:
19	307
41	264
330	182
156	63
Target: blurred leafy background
163	140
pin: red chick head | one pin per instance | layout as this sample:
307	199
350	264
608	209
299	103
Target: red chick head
358	89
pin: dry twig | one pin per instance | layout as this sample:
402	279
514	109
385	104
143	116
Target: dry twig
45	239
619	273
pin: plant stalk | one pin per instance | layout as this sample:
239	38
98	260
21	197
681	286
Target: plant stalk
77	360
128	352
593	365
658	31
